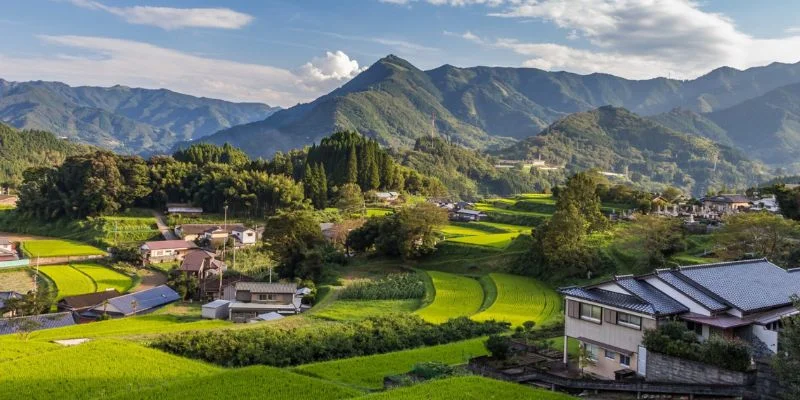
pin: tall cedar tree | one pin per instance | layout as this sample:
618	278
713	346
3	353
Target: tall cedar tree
352	166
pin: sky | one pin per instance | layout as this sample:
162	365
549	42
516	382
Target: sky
282	52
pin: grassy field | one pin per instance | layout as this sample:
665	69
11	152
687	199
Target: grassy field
246	383
343	310
368	372
11	347
489	234
496	240
19	280
97	369
105	278
521	299
69	281
378	212
468	388
128	327
58	248
455	296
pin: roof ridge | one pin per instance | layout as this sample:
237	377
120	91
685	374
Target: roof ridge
723	263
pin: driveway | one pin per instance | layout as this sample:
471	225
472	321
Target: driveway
161	221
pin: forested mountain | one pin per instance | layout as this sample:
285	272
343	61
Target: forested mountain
20	150
123	119
649	154
396	103
687	121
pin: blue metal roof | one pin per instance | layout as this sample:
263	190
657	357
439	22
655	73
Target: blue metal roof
749	285
145	300
661	303
673	279
610	298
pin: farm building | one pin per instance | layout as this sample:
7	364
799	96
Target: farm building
217	309
35	322
138	303
183	209
166	250
7	251
4	296
85	302
466	215
270	316
254	298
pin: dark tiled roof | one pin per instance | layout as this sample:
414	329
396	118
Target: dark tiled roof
661	303
263	287
42	321
749	285
145	299
610	298
673	279
195	259
88	300
193	229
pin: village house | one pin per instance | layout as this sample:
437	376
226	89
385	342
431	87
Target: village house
466	215
726	203
201	264
217	233
7	251
85	302
740	299
246	236
35	322
166	250
255	298
136	303
387	197
5	296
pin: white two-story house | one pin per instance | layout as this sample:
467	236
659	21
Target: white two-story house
742	299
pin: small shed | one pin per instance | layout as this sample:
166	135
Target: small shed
217	309
270	316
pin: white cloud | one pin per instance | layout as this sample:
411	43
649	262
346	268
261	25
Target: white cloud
335	66
642	38
100	61
174	18
793	30
456	3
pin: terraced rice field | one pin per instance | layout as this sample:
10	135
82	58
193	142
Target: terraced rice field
454	231
58	248
468	388
495	240
351	310
378	212
456	296
521	299
247	383
368	372
131	326
68	280
85	278
98	369
105	278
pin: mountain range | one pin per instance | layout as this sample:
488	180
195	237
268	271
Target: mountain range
123	119
490	107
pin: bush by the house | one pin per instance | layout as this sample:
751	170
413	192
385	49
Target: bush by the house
499	346
674	339
284	347
394	286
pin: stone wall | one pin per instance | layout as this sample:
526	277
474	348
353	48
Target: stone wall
667	369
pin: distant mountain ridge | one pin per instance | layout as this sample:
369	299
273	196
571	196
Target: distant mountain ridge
123	119
485	107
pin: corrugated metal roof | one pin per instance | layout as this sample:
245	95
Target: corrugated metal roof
749	285
170	244
264	287
216	304
145	299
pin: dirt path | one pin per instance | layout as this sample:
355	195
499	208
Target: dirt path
21	237
161	221
151	279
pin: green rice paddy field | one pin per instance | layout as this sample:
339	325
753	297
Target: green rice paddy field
81	278
521	299
58	248
455	296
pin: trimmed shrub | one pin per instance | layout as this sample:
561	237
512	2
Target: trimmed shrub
674	339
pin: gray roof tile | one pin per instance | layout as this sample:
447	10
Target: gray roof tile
44	321
749	285
145	299
610	298
673	279
662	304
264	287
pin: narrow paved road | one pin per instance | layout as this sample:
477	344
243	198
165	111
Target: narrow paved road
161	221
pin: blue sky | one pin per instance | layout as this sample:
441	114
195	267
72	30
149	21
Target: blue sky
284	52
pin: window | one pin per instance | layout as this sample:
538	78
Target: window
774	326
591	313
624	360
631	321
611	355
695	327
591	351
264	297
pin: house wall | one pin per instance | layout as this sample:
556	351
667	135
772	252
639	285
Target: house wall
7	247
246	237
770	338
220	312
610	334
605	367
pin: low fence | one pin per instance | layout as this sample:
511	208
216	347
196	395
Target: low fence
14	264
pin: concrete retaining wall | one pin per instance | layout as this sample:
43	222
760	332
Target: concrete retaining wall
664	368
14	264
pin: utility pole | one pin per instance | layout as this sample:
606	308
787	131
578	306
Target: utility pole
36	276
224	245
